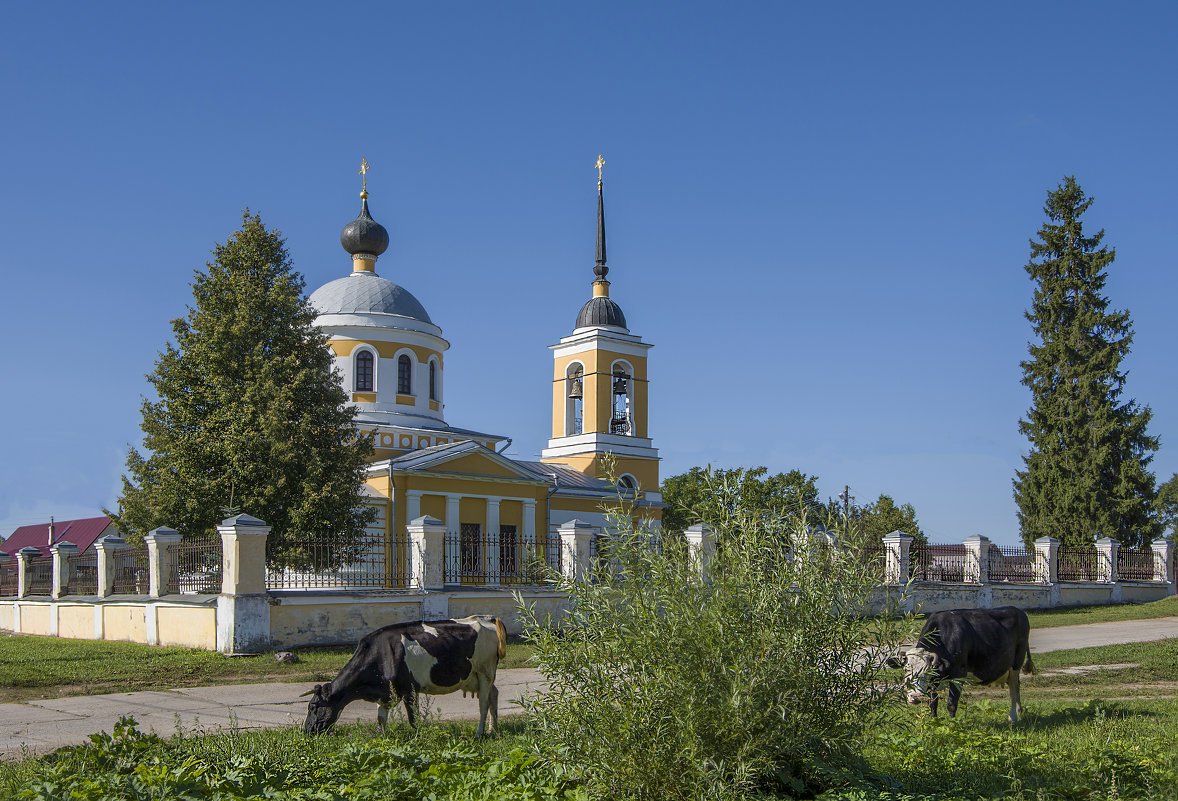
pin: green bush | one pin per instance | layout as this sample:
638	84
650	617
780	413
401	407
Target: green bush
663	685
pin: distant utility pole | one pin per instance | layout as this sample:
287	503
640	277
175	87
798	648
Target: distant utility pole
846	499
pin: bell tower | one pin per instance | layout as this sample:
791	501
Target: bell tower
599	387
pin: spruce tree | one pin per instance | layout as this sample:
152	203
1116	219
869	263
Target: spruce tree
249	414
1087	472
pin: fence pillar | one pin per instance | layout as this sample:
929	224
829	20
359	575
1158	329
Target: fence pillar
897	548
427	545
63	553
977	565
576	538
243	607
24	576
701	544
107	549
161	559
1047	560
1106	560
1163	560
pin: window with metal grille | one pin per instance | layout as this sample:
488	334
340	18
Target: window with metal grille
404	375
470	552
508	552
364	371
433	381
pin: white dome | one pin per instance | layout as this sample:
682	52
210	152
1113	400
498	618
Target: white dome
366	293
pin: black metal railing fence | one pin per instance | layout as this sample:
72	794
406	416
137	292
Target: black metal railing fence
1077	564
471	557
196	565
83	574
938	562
131	571
328	561
40	571
1014	564
1136	564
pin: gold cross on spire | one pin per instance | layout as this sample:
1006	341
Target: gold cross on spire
364	168
600	163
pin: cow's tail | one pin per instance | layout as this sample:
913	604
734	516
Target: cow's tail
502	637
1029	666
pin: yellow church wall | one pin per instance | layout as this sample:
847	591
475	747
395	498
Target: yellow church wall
385	350
34	619
124	623
476	465
434	506
472	510
363	397
511	513
75	622
454	485
190	627
645	471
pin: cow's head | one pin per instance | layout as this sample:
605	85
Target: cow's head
922	672
321	713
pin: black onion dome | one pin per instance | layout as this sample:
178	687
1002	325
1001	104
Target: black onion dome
601	311
364	236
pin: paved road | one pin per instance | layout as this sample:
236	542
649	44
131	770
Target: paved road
41	726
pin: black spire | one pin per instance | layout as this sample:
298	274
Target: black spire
600	270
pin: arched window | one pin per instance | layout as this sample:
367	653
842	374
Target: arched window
433	381
404	375
364	371
627	483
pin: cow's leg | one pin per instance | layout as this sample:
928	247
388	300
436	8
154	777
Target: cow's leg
410	699
1016	701
954	696
934	697
494	708
485	687
382	715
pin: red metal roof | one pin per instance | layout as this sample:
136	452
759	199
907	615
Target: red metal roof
80	532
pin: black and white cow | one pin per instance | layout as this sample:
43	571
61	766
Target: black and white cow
397	662
989	644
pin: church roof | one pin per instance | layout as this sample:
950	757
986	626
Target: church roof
82	533
601	311
367	293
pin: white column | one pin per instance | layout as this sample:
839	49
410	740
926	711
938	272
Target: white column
528	552
453	528
1106	560
977	563
107	548
575	538
1163	560
426	543
1047	560
897	547
412	505
492	570
701	542
161	559
63	552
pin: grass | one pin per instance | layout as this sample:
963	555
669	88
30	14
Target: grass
1074	615
50	667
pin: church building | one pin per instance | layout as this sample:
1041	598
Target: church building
391	356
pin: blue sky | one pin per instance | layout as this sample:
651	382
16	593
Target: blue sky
819	213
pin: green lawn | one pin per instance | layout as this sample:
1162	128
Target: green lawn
1073	615
39	667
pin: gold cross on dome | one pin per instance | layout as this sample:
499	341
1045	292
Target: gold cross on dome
364	168
600	163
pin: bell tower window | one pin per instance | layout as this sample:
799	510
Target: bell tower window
404	375
364	371
620	419
574	414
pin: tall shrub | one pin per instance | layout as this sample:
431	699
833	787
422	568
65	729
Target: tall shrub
761	677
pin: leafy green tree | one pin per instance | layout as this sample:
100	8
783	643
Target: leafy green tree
876	520
249	413
1087	472
785	497
1166	503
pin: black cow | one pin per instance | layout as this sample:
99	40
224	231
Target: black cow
989	644
397	662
